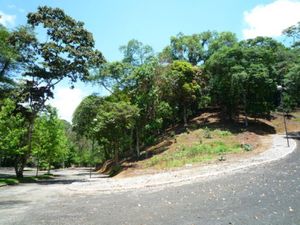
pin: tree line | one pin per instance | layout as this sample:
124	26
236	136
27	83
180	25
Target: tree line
148	92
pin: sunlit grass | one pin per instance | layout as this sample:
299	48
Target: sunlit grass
194	154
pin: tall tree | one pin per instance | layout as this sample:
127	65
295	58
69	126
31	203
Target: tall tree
12	134
136	53
114	121
67	52
186	86
49	139
190	48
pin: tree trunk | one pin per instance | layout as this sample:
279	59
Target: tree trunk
19	171
185	118
106	153
49	168
37	167
22	160
131	142
137	142
245	109
116	156
19	165
246	119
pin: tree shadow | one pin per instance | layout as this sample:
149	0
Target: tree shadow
61	181
294	135
217	121
12	203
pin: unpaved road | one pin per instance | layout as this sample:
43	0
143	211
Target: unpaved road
263	194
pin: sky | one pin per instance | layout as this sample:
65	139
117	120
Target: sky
115	22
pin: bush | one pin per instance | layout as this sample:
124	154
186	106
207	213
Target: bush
207	133
223	133
247	147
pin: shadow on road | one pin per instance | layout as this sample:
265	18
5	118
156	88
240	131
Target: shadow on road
12	202
294	135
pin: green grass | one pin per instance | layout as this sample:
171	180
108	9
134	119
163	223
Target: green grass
31	179
8	181
193	154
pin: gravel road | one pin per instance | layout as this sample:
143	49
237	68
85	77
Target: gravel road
261	190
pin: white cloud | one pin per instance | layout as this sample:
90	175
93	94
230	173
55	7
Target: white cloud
66	100
6	19
271	19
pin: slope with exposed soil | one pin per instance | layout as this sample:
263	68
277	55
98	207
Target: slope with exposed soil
208	129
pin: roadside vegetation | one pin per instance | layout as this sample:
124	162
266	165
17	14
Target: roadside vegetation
153	97
28	179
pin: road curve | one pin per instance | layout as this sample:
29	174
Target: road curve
263	194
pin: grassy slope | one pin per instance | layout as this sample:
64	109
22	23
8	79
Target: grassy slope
209	140
197	146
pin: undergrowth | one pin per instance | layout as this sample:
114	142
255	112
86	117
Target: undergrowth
196	153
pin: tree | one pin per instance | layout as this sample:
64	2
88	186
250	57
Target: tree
186	86
292	87
49	139
12	134
114	120
113	76
244	75
220	40
294	33
190	48
291	80
67	52
85	113
8	61
136	53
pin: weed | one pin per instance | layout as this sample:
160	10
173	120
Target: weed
207	133
223	133
247	147
196	153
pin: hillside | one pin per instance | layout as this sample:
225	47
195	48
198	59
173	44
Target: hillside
208	141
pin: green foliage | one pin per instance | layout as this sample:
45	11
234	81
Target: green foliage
194	154
136	53
244	75
223	133
15	181
292	86
49	142
148	94
8	181
12	131
247	147
111	125
8	58
85	113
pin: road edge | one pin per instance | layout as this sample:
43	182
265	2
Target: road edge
277	151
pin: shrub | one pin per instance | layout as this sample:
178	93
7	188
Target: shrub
247	147
207	133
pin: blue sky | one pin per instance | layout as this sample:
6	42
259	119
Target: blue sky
115	22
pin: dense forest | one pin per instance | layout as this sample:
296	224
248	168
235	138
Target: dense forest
149	92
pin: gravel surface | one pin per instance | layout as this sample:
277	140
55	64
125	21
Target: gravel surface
258	190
